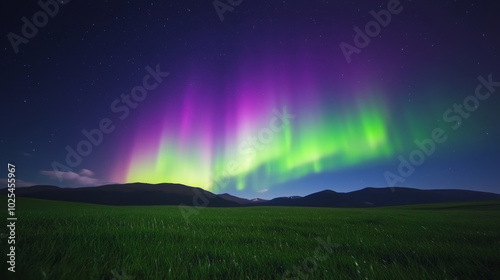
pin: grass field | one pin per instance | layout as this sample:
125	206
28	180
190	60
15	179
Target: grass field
57	240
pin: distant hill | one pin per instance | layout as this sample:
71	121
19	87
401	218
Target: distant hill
176	194
242	201
378	197
258	200
128	194
239	200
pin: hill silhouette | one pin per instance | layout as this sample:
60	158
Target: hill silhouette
177	194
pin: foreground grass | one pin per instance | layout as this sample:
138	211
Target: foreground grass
57	240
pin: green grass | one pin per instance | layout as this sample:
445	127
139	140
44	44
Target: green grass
57	240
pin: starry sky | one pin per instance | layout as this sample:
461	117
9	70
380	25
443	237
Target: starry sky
254	98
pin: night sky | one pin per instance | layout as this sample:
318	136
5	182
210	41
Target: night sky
258	99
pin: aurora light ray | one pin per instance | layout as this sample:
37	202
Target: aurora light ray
204	142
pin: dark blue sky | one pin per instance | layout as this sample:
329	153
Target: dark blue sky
360	104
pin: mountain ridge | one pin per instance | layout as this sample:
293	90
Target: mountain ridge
178	194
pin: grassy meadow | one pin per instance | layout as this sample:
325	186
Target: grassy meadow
59	240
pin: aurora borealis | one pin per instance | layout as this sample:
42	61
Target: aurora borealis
231	142
253	154
228	140
261	104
